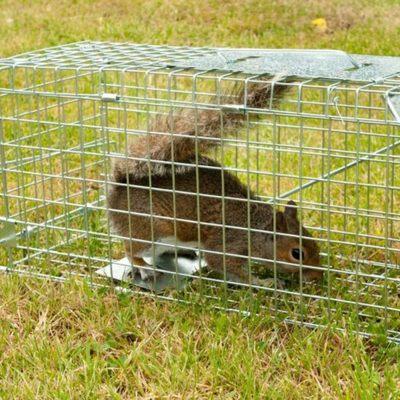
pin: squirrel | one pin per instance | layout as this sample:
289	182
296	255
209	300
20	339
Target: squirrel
166	180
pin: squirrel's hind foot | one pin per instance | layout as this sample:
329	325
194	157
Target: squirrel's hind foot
148	274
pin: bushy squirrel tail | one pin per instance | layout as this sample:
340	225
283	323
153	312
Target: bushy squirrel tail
172	138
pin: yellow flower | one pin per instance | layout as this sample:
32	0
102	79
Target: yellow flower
320	24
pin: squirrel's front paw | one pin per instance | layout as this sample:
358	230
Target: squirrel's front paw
270	283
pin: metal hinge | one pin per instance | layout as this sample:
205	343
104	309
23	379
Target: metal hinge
110	97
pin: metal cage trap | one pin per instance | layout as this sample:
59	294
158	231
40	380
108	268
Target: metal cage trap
331	144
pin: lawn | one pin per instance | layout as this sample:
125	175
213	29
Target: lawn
69	341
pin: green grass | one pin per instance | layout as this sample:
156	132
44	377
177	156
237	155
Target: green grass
67	341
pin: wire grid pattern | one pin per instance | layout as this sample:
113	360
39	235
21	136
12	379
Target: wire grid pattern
330	145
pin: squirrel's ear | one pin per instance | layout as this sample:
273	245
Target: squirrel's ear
281	225
291	209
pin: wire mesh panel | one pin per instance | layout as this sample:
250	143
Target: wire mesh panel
177	164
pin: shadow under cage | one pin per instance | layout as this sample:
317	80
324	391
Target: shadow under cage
168	171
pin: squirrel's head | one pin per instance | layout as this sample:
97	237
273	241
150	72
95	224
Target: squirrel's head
292	252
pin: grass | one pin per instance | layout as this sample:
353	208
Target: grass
68	341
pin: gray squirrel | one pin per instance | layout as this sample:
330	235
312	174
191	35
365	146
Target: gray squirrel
141	215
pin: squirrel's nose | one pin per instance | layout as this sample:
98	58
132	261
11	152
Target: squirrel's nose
312	275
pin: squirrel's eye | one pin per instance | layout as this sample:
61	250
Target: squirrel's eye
296	254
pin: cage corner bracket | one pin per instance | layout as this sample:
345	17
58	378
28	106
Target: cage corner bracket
8	236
